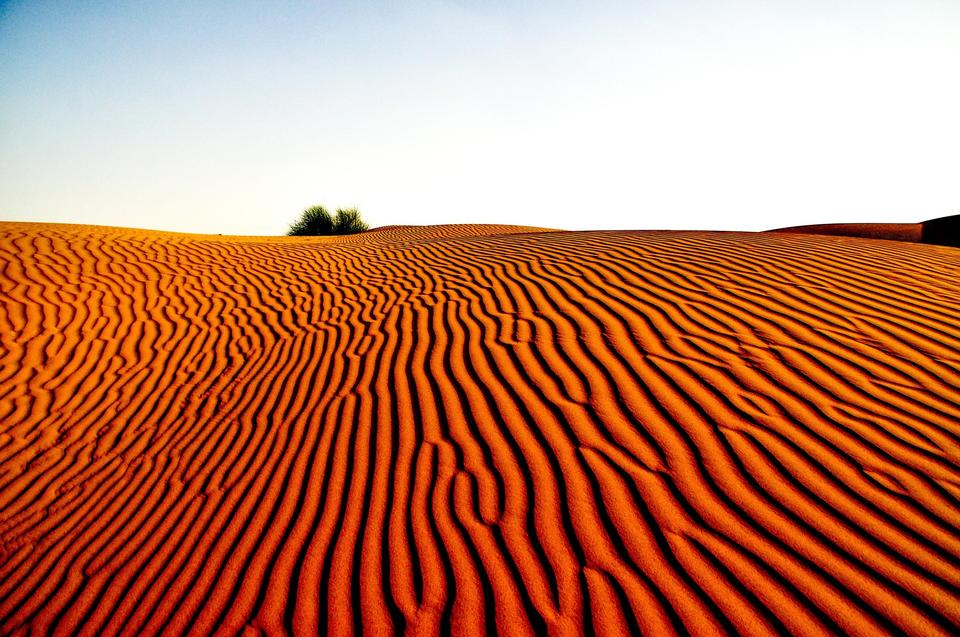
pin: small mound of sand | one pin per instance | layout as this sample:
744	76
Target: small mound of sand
943	231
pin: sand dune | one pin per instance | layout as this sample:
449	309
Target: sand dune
887	231
474	429
941	231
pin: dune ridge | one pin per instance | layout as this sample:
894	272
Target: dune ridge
477	429
943	231
886	231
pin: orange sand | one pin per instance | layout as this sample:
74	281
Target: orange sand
888	231
477	429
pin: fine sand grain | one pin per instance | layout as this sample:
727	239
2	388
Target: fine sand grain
478	429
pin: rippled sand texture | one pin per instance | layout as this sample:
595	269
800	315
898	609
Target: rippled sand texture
478	429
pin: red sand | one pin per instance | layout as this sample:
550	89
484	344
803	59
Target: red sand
473	429
888	231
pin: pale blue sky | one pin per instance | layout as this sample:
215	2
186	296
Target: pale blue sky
230	117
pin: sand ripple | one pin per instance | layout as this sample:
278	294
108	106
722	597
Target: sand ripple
476	429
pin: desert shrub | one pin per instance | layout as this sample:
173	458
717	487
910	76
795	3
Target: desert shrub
317	220
348	221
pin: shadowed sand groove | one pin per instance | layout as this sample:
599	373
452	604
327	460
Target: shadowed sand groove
477	429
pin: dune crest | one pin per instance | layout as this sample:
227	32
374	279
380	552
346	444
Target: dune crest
477	429
944	231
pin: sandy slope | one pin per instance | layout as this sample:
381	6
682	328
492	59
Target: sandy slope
943	231
478	428
886	231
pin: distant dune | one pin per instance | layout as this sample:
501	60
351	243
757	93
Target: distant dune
942	231
478	429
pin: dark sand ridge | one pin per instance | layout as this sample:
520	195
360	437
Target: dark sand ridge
477	429
943	231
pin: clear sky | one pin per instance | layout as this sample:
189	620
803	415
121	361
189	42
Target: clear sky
231	117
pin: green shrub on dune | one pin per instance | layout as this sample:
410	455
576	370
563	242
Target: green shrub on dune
348	221
317	221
